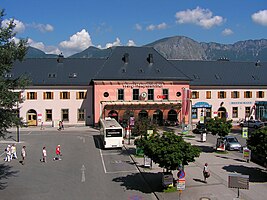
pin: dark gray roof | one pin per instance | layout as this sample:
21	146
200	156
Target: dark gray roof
132	63
48	71
223	73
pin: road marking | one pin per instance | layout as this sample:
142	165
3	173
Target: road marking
83	173
117	172
29	133
107	154
2	154
102	159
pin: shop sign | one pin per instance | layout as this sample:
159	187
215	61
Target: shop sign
201	105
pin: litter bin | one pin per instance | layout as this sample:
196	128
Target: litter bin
203	137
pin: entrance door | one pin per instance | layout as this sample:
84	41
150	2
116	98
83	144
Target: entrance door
32	118
158	117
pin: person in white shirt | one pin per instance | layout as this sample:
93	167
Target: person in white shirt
13	152
44	155
8	153
206	172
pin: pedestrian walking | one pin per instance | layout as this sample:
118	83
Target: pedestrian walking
43	155
58	153
62	125
13	152
23	155
42	126
206	172
59	125
8	153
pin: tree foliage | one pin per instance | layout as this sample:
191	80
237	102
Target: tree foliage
168	150
10	51
142	125
257	142
220	127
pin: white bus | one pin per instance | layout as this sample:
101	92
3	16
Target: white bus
111	133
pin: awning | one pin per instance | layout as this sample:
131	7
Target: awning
201	105
155	106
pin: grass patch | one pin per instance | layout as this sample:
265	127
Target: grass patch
170	189
221	152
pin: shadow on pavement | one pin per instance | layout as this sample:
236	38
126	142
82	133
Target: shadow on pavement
206	149
5	173
255	174
130	182
199	180
98	142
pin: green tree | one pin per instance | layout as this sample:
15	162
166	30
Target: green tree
10	51
257	143
220	127
169	150
142	125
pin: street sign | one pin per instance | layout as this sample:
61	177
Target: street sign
238	181
181	174
246	154
180	184
245	132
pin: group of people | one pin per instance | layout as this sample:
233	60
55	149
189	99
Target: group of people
11	153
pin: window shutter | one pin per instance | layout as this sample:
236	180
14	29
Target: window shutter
44	95
232	94
250	94
224	94
257	94
68	95
77	95
35	95
28	95
218	95
61	95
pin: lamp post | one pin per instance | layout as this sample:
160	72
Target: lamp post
18	123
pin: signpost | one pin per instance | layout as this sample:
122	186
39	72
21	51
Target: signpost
180	182
238	181
246	154
245	132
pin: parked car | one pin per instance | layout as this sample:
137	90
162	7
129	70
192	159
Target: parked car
252	123
231	143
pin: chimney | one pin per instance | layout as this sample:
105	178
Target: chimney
60	58
125	58
150	58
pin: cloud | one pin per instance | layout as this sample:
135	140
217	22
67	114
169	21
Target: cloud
19	26
42	27
77	42
260	17
153	27
200	17
131	43
117	42
43	47
227	31
138	27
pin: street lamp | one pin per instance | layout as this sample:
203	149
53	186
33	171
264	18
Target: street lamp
18	123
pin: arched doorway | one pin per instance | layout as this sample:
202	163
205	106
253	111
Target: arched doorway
113	114
143	114
158	117
31	118
127	118
172	116
222	113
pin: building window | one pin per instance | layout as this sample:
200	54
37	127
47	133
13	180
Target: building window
65	114
64	95
121	94
208	94
81	114
235	112
48	95
135	94
247	94
208	112
247	111
195	95
165	93
194	113
80	95
235	94
150	94
260	94
48	115
31	95
221	95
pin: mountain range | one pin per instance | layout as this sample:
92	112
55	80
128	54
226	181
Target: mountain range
184	48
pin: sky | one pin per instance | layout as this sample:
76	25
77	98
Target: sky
68	26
